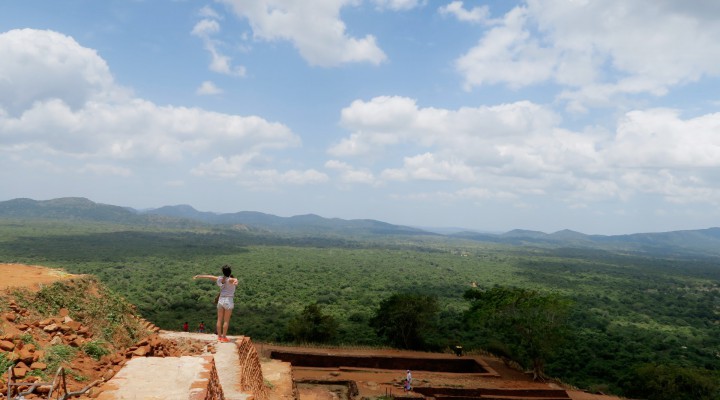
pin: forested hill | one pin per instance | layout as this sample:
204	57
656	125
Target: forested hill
686	242
183	216
309	223
703	241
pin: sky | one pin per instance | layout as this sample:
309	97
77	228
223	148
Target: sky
599	116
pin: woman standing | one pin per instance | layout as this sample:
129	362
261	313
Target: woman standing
225	305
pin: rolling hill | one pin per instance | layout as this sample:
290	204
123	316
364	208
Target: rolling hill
700	242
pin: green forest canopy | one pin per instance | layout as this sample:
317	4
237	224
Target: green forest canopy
628	309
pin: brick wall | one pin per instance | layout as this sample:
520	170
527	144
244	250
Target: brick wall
207	387
251	377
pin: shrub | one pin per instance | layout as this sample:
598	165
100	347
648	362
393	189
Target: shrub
4	365
58	355
95	349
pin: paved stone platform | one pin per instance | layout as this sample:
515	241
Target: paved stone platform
170	378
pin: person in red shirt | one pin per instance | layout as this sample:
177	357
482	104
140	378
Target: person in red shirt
186	327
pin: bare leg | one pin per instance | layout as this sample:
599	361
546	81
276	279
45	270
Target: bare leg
226	322
218	327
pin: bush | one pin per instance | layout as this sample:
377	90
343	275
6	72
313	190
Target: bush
671	382
406	320
4	365
58	355
95	349
312	325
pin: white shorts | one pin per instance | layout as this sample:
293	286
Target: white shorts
226	303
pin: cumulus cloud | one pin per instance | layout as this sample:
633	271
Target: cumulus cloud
350	174
208	88
597	49
507	54
427	167
209	12
660	138
313	27
398	5
386	121
478	14
520	149
205	29
68	71
241	169
81	114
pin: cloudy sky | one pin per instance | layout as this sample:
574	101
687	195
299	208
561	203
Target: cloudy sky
601	116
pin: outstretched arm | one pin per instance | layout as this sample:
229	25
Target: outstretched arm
205	277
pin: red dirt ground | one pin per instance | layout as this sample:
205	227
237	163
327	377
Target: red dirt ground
29	276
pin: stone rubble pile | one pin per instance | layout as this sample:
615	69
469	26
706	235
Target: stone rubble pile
24	341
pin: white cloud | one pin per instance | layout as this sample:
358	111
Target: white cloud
659	138
219	63
520	148
82	115
206	28
242	169
208	88
598	49
398	5
350	174
209	12
68	71
478	14
507	54
387	121
313	27
427	167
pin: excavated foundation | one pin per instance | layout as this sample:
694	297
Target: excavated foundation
449	365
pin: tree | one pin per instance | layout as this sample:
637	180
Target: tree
672	382
406	320
528	325
312	325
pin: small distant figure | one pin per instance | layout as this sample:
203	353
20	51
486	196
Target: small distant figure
408	381
201	327
186	327
458	350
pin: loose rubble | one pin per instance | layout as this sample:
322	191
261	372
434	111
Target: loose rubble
25	341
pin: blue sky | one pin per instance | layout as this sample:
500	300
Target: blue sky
601	116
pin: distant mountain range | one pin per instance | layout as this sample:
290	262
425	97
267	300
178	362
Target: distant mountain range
702	241
81	209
